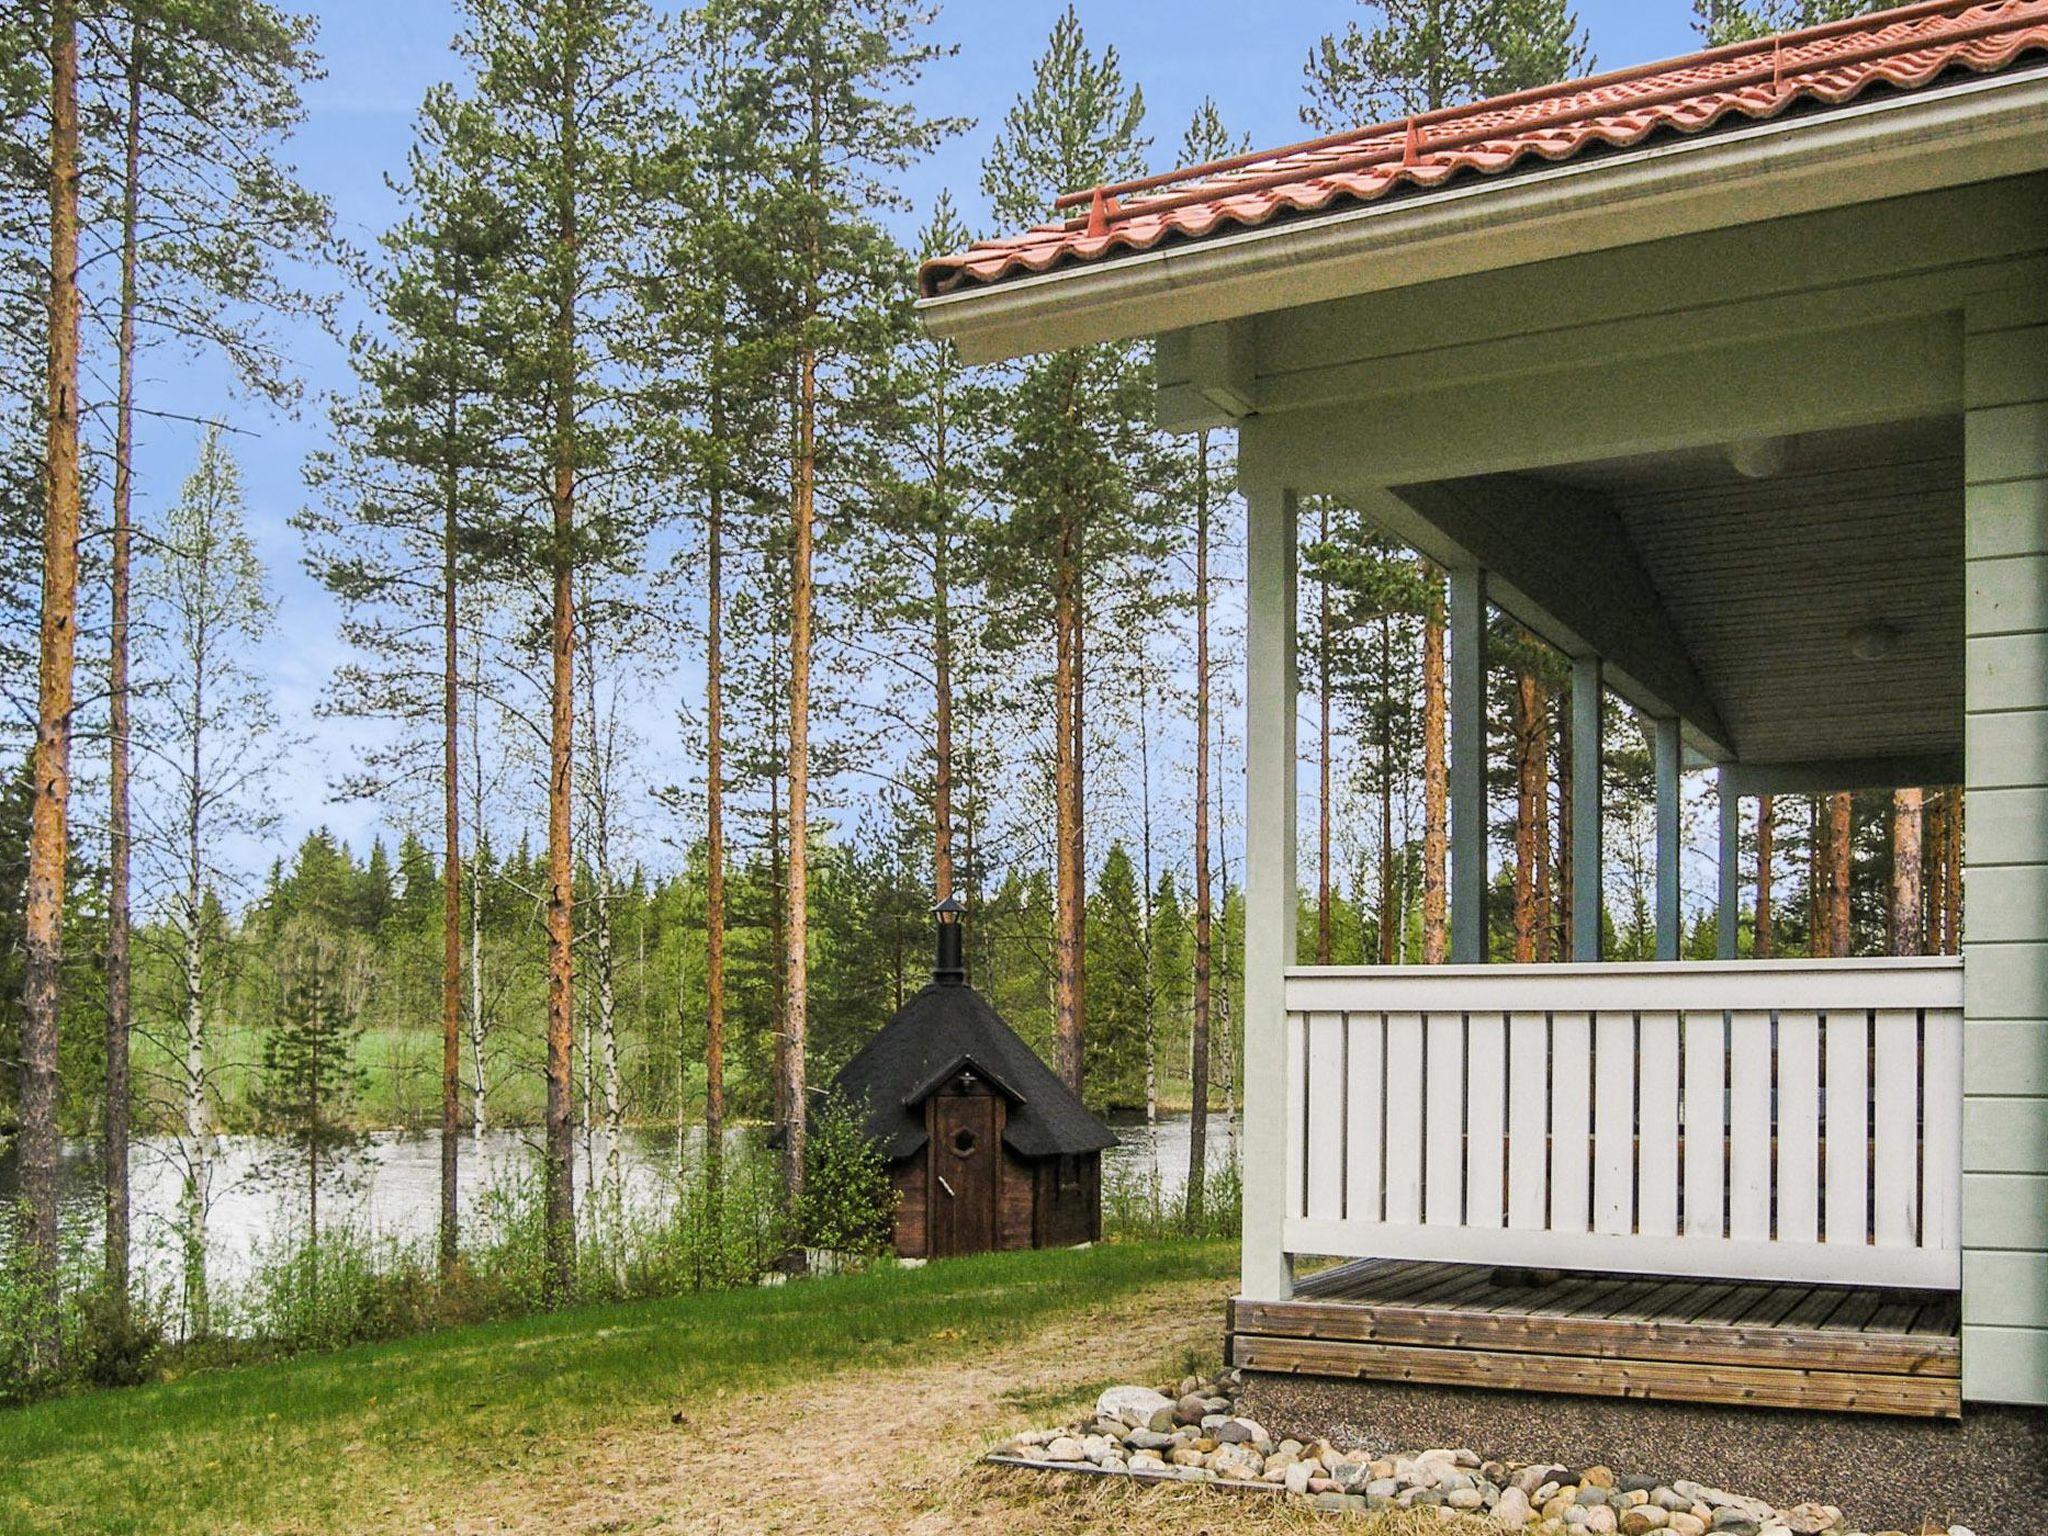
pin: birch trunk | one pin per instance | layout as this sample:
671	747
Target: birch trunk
1322	744
451	862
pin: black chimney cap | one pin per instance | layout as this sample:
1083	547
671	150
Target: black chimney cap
952	906
951	969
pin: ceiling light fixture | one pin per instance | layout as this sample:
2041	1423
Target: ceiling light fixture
1876	641
1760	458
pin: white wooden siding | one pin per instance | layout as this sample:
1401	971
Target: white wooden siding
1780	1121
2004	1102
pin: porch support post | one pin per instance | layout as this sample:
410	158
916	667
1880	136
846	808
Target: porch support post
1728	924
1588	851
1267	1273
1467	623
1669	780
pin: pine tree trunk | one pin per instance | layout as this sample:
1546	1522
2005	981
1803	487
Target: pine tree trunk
1562	895
796	940
1390	906
942	668
1952	880
1907	920
120	837
479	1084
1539	835
558	1276
1068	876
1766	830
1323	744
1839	807
714	853
1198	1030
1436	787
451	863
48	842
1527	787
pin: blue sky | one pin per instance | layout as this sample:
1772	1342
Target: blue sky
382	55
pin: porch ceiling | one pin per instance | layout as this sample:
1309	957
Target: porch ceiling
1765	580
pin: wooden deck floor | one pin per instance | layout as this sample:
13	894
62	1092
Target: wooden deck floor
1844	1349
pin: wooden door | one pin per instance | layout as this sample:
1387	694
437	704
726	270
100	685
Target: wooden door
965	1159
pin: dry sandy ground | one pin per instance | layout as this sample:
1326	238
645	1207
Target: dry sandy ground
887	1451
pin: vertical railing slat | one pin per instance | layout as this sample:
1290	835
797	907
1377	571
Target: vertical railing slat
1798	1176
1365	1065
1404	1119
1895	1131
1528	1120
1443	1176
1326	1091
1614	1123
1571	1068
1749	1127
1657	1121
1486	1076
1848	1128
1942	1098
1706	1115
1297	1114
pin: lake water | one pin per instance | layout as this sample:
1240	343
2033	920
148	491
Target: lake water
400	1181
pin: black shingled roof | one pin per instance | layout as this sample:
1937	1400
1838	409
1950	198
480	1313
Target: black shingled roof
945	1027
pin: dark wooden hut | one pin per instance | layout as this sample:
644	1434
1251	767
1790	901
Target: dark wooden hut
986	1147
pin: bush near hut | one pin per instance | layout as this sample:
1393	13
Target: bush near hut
848	1204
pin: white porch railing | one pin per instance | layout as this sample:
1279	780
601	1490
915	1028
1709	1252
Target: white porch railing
1792	1120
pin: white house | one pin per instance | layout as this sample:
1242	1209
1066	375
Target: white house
1728	377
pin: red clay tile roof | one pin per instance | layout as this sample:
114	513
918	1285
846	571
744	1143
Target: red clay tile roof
1903	49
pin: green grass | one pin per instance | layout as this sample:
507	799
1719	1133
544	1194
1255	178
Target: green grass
308	1445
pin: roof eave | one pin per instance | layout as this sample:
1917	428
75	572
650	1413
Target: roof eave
1885	146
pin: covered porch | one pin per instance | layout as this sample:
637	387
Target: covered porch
1777	527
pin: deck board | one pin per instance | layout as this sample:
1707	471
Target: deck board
1846	1349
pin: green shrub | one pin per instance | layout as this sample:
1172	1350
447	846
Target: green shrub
1137	1204
848	1204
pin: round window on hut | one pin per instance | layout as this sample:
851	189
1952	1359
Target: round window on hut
964	1142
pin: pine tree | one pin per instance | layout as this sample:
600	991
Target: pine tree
830	93
571	104
201	84
1078	429
1423	55
405	488
1738	21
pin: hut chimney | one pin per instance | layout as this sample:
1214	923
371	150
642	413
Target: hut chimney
951	967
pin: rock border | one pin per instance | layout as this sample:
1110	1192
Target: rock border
1195	1436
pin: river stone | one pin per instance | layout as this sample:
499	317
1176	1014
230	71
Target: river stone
1513	1509
1600	1519
1066	1448
1298	1476
1810	1519
1685	1523
1132	1406
1189	1410
1238	1462
1641	1519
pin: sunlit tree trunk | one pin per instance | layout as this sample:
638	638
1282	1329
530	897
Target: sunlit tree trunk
1528	786
1907	921
1838	819
796	938
1322	743
451	859
1766	837
714	850
1436	826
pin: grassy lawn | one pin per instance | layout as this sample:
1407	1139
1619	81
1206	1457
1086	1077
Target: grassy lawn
321	1444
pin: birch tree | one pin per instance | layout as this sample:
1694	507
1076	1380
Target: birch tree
210	744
